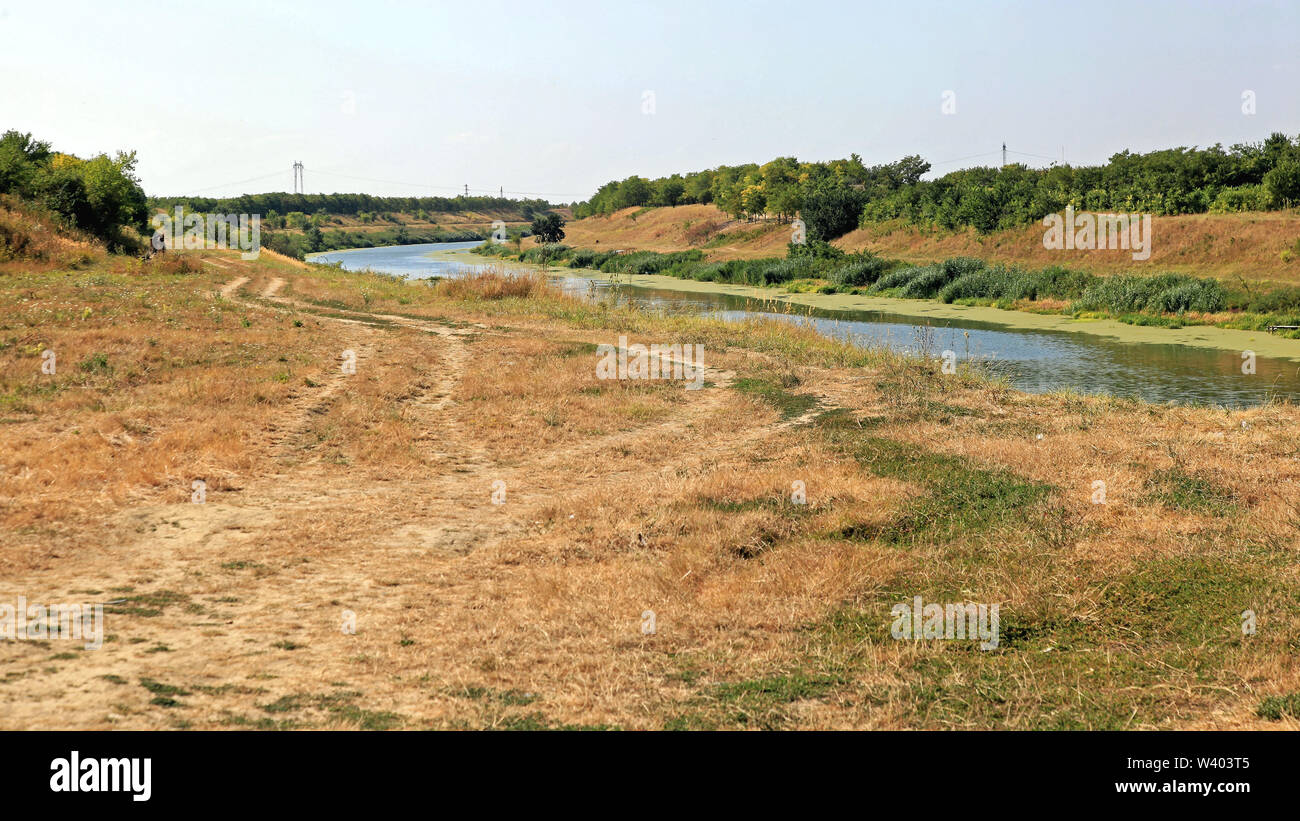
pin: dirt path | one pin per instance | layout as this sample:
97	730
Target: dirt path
228	290
382	547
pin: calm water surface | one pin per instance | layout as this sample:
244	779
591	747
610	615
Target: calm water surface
1031	360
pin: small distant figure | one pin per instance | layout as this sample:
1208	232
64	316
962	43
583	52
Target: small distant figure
157	245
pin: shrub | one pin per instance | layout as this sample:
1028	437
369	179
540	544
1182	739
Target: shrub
899	278
587	258
1280	300
648	262
1202	296
774	272
550	252
1057	282
1167	293
1241	198
831	211
862	270
988	283
1283	183
813	249
959	266
926	283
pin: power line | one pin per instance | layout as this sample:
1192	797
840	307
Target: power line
971	157
1004	151
1027	154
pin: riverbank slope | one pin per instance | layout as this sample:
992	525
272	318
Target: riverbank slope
1258	247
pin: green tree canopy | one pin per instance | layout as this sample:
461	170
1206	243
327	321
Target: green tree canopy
548	228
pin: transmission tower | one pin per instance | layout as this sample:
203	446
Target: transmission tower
299	185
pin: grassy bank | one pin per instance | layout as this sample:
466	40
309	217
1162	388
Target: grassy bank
1164	300
371	493
1256	247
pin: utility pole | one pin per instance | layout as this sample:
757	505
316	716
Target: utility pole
1004	155
502	194
299	185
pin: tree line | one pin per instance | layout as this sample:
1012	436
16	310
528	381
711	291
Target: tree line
100	195
835	197
349	204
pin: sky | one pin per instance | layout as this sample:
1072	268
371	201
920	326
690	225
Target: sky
554	99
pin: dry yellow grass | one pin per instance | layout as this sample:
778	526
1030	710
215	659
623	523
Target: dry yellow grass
493	282
1251	245
29	241
372	493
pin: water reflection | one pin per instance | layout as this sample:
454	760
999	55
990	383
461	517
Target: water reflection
1031	360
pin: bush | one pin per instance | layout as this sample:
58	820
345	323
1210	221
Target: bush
862	270
1280	300
1283	183
647	262
831	211
960	266
587	258
100	195
774	272
899	278
1167	293
1201	296
926	283
813	249
1241	198
550	252
986	283
1058	283
1119	294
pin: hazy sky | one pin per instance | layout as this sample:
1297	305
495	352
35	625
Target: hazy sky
220	98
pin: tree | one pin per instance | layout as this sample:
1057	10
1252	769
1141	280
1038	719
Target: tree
1283	183
669	191
114	193
831	211
19	157
753	200
633	191
315	240
548	228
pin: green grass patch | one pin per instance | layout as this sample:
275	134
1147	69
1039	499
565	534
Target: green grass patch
1275	708
960	498
146	605
1179	489
762	703
791	405
538	721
